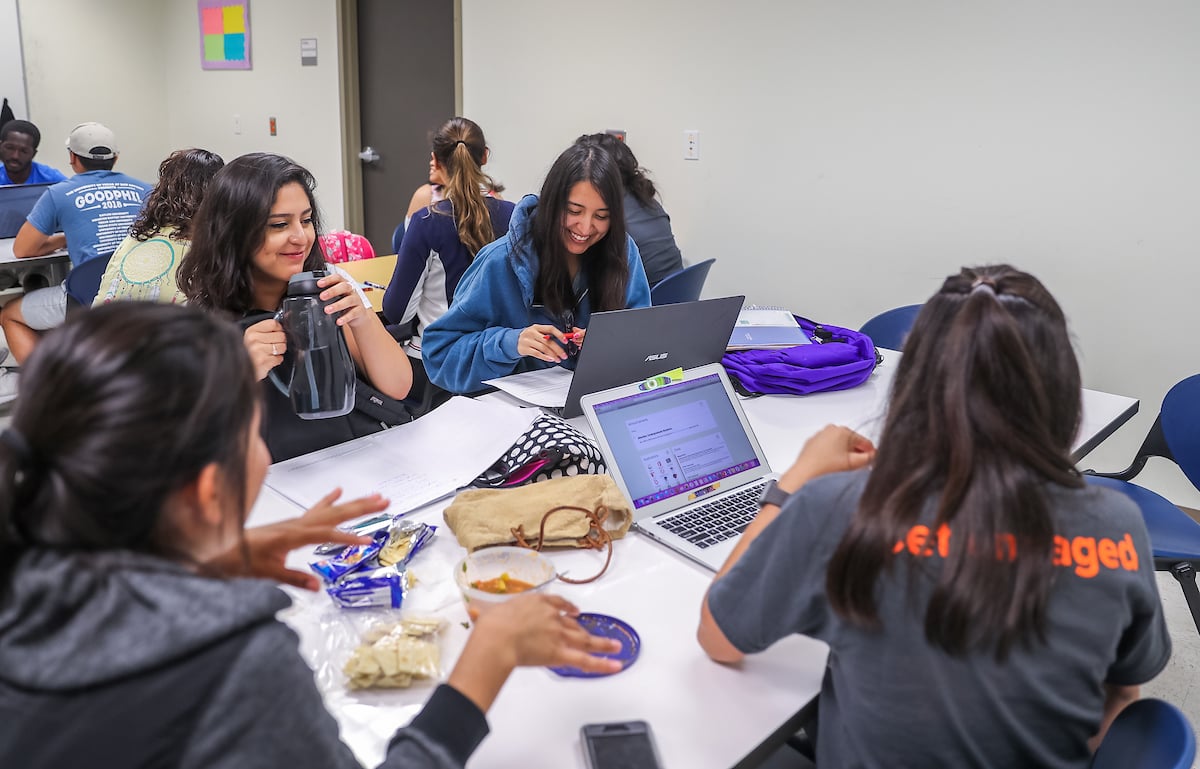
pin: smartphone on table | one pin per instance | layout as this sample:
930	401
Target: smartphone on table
621	745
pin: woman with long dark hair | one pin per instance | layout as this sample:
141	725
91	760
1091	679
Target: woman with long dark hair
566	256
144	265
983	605
125	478
257	227
442	239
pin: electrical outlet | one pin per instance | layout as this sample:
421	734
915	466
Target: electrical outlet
237	124
691	145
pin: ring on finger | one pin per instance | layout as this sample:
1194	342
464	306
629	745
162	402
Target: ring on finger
273	351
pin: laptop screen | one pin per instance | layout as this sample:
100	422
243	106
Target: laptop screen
676	439
16	201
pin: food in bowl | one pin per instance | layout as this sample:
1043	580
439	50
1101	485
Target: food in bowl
495	574
502	585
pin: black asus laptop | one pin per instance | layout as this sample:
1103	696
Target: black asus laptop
16	201
624	346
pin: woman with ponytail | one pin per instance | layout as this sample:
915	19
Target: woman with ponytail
443	238
983	606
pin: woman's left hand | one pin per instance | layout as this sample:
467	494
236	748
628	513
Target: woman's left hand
268	546
343	299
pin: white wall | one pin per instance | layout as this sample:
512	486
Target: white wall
136	68
853	154
12	66
106	69
303	100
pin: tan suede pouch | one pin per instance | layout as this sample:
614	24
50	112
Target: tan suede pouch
483	517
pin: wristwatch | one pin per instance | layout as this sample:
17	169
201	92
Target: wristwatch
773	495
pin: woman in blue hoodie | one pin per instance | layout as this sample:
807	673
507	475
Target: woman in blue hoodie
525	301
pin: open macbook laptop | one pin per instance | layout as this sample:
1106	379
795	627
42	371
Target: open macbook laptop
685	456
16	201
631	345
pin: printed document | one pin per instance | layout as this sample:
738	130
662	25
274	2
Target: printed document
545	387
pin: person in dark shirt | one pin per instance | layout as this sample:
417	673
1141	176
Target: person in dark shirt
983	606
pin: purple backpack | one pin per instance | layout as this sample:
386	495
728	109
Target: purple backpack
838	359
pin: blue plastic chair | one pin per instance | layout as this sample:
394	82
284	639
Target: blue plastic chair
1174	535
397	237
888	329
83	281
1147	734
682	286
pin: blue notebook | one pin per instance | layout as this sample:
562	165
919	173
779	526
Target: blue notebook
757	329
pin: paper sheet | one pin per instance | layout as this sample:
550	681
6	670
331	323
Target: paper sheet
411	464
545	387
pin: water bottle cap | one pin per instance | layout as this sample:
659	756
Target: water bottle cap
305	283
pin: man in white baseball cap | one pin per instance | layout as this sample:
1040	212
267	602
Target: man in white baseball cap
88	214
94	141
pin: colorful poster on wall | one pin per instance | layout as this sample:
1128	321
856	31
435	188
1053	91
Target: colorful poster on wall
224	34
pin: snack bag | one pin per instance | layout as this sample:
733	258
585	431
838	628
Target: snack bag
396	657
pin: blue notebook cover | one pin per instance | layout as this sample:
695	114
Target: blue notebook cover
756	328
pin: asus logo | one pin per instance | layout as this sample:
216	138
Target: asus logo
659	356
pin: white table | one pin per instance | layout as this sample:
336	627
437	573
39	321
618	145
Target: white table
53	267
6	255
703	714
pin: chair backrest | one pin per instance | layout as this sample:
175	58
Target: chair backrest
1147	734
888	329
83	281
1174	536
682	286
1180	417
397	237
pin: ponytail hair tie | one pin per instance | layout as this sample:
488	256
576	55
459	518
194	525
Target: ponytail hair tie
983	284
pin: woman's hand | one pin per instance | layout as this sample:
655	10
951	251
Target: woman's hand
833	450
537	629
543	342
268	546
343	299
266	343
530	630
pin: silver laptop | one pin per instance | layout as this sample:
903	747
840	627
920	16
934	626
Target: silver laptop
685	456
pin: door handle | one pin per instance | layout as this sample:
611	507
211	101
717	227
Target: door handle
368	155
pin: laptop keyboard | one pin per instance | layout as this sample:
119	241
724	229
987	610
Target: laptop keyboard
714	522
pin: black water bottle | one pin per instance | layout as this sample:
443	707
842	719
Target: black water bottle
322	379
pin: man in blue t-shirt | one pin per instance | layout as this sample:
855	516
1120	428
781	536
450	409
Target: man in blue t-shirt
19	140
90	214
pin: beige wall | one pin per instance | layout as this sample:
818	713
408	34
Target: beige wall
138	71
853	154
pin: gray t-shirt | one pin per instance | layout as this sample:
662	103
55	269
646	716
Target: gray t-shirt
890	699
650	228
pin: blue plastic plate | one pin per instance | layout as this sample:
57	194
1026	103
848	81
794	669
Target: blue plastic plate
608	627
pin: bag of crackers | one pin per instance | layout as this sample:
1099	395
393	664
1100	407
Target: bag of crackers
387	649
